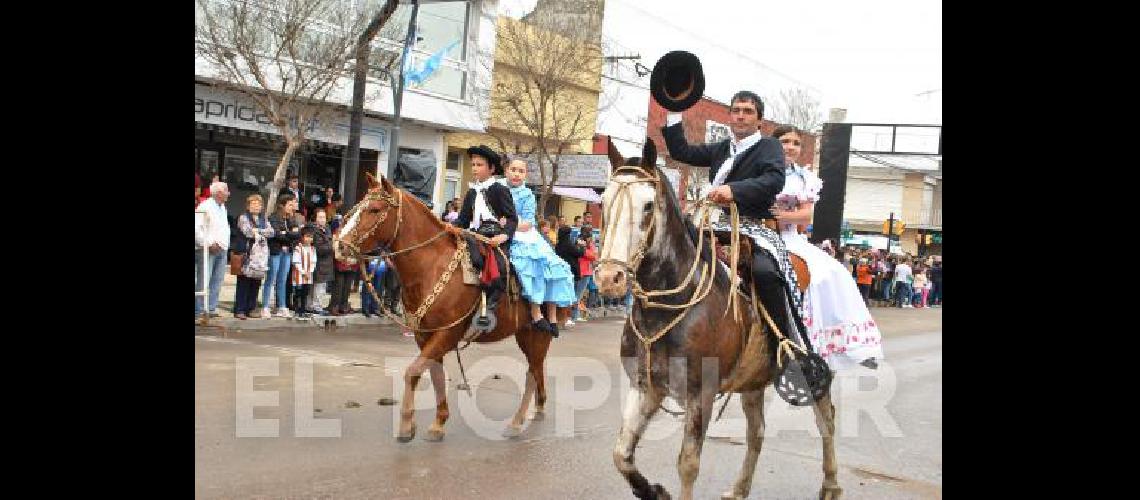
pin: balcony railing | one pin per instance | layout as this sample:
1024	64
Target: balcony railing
926	218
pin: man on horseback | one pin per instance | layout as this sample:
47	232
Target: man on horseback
748	170
489	210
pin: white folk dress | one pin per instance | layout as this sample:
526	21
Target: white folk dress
839	325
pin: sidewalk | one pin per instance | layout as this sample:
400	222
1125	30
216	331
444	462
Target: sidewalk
227	319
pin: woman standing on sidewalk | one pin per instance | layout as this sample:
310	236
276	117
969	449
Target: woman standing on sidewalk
863	270
585	268
286	232
570	252
255	231
322	241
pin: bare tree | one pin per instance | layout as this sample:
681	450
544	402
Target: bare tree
287	56
545	91
798	108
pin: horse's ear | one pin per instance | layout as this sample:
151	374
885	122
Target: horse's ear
649	153
371	180
616	160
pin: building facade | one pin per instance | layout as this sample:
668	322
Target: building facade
506	130
234	141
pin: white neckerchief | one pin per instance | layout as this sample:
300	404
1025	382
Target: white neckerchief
734	148
481	212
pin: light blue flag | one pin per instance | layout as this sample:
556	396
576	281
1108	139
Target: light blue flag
411	75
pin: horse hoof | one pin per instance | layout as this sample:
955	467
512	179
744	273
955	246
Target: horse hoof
729	495
434	436
538	415
404	438
512	432
832	493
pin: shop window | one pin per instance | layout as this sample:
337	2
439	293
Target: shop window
250	170
415	172
453	160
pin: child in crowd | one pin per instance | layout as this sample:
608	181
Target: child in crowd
304	263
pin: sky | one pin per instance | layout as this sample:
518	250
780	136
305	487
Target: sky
881	60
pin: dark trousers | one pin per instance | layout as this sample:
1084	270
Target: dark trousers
935	293
390	289
342	286
773	292
301	297
865	291
289	296
245	298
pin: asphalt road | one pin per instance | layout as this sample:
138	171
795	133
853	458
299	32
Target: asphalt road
310	426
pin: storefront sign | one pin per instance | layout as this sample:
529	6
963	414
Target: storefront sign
573	171
233	109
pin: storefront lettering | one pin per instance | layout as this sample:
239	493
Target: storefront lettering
210	108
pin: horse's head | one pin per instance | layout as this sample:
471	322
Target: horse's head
631	212
374	221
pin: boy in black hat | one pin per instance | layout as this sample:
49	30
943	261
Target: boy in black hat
489	210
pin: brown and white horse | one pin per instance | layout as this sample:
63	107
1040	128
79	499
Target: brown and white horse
698	346
422	250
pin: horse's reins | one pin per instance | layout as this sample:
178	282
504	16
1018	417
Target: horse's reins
705	283
413	318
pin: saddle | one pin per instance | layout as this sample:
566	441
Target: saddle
744	266
473	263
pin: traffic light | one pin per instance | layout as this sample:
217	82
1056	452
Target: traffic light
899	226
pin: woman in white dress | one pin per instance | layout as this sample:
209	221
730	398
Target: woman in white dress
839	325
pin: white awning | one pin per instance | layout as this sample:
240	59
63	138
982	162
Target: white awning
581	193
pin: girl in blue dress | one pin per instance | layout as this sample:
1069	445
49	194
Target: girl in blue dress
545	277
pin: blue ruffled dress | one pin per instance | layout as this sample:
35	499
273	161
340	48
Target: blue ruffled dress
545	277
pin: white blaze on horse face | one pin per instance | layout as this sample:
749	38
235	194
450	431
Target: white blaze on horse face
623	231
350	224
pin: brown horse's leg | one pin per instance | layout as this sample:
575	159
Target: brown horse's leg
439	382
514	429
407	429
434	349
535	345
753	403
825	419
639	408
698	409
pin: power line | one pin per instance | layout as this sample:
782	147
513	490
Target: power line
712	43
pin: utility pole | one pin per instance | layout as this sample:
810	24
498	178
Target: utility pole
351	164
398	94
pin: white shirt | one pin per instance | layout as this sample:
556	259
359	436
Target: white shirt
481	211
215	228
735	148
902	272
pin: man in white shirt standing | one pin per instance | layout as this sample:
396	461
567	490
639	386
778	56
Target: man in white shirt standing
902	284
213	236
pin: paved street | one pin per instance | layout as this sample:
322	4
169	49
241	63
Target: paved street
889	425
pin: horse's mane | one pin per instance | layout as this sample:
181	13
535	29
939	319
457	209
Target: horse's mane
673	211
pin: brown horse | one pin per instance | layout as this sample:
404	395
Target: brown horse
698	346
425	253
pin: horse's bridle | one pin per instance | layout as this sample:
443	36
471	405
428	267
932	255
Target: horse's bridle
391	201
394	201
704	284
641	176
